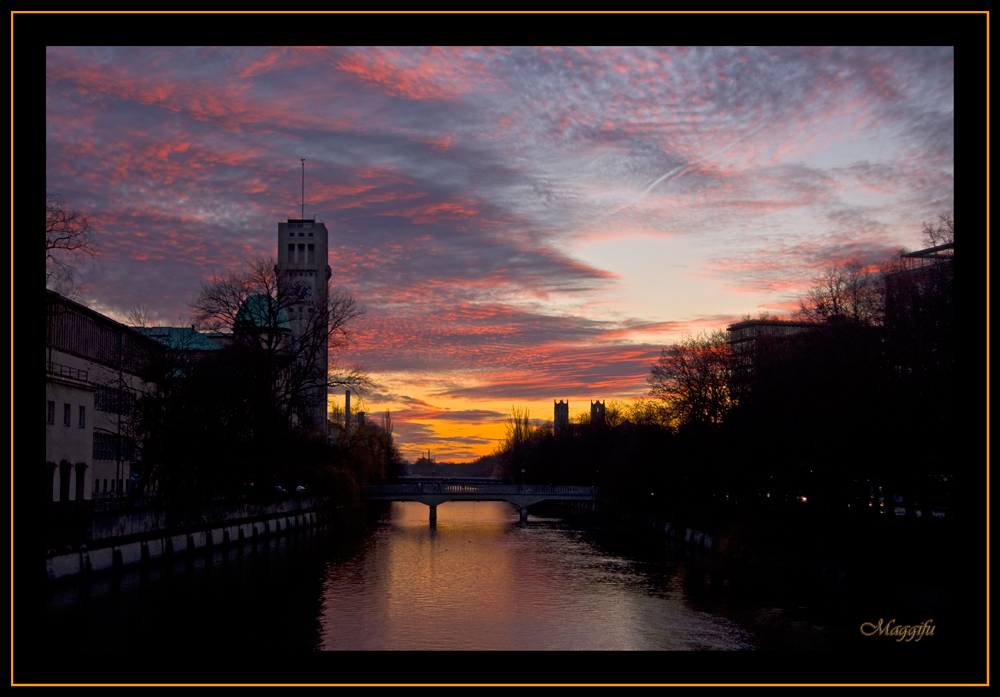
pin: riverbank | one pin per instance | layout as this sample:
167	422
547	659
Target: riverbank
113	540
844	571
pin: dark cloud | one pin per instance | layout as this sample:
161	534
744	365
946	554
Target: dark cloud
457	182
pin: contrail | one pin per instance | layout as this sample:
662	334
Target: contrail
678	171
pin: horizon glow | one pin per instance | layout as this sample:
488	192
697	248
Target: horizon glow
523	225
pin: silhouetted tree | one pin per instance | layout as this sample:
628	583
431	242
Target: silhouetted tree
254	304
68	235
221	420
850	290
942	233
370	453
692	379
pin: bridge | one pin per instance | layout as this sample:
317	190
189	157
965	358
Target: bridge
432	493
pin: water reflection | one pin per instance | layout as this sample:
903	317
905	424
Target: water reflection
480	580
477	580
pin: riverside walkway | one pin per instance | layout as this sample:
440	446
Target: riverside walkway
434	493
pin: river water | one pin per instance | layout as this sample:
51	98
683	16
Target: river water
477	580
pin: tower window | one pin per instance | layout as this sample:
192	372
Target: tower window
302	234
291	254
312	254
310	234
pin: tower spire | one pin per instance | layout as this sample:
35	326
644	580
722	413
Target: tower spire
303	214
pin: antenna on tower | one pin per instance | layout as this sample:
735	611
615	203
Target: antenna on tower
303	216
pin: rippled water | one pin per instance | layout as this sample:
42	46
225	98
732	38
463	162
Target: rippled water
479	580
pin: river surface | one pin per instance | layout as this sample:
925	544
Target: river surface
478	580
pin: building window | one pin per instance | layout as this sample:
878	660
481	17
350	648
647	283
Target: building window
113	400
109	446
83	417
66	414
310	234
302	234
302	254
97	486
50	415
291	254
105	486
112	486
312	254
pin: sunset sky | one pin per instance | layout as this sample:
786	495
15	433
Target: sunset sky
522	224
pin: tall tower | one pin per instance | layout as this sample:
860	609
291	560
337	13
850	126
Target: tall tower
304	269
597	413
561	414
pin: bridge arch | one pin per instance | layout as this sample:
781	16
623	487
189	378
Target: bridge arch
433	493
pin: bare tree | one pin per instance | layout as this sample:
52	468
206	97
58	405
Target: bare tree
254	304
692	379
648	412
518	428
849	290
943	233
615	412
68	234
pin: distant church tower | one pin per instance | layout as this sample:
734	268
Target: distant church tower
303	261
562	414
596	413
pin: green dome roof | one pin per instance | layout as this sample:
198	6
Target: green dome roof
262	312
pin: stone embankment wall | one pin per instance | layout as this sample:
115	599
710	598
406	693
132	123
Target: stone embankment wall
135	537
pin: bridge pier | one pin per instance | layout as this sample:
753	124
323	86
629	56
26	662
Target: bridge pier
524	514
434	513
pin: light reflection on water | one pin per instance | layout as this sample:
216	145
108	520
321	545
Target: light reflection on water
479	580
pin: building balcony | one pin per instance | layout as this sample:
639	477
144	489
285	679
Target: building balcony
65	371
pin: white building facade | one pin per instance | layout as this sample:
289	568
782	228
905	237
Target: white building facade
93	369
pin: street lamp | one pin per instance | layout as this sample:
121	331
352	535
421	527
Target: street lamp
522	479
